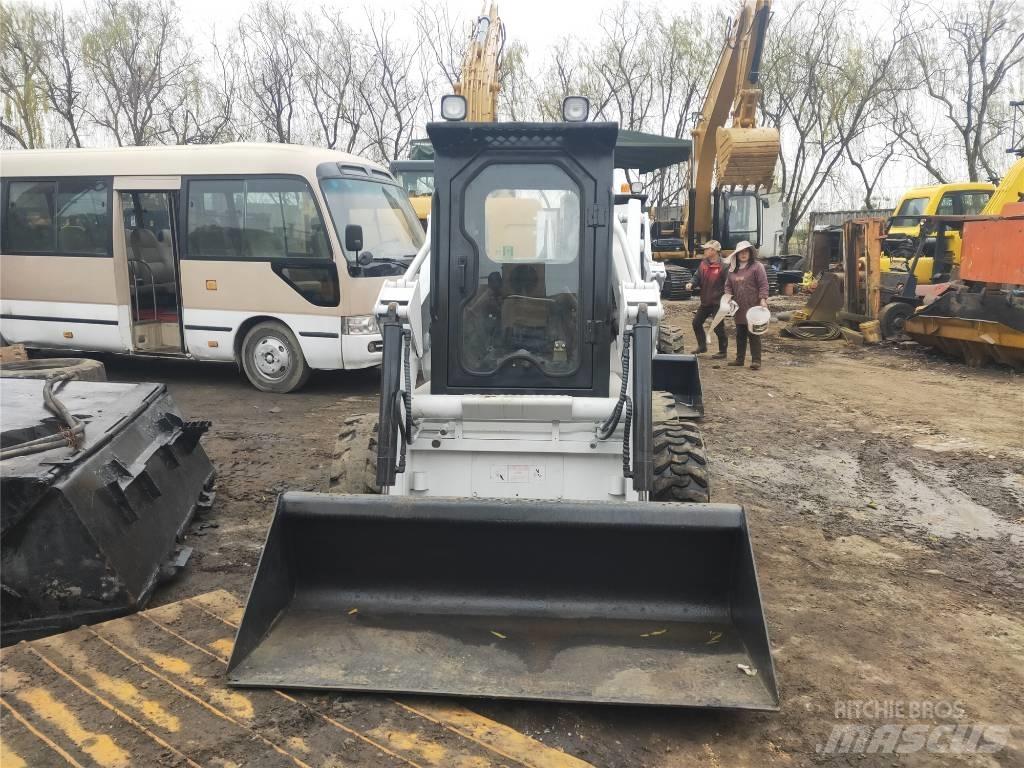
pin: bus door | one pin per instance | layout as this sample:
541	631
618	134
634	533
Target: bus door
150	263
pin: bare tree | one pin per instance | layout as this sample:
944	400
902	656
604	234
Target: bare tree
517	94
137	53
331	77
272	68
392	95
445	39
963	58
825	79
21	59
623	64
206	101
63	75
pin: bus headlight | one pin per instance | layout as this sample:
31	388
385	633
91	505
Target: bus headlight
361	325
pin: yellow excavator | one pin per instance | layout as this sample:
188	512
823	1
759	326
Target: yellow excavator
730	167
478	84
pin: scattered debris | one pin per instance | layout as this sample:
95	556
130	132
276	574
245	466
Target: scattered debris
746	670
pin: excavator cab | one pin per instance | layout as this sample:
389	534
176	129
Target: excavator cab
738	217
544	529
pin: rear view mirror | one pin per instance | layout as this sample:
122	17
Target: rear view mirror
353	238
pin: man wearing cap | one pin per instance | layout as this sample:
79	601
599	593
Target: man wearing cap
709	279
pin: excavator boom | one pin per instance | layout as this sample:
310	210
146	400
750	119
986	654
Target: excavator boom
741	155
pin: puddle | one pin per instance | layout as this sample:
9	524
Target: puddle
912	492
944	510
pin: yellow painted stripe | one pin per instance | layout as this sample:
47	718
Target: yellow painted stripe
123	715
501	739
490	734
119	689
99	746
332	721
198	700
40	735
9	758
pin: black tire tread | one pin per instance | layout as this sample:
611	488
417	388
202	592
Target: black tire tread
888	317
670	340
354	463
676	278
680	461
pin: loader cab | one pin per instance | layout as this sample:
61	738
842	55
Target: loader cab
521	297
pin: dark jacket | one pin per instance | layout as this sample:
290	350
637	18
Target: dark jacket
747	287
711	287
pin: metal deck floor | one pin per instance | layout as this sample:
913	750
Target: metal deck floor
148	690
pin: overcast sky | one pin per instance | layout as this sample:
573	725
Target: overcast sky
539	24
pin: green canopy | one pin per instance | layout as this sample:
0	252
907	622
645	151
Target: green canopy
633	149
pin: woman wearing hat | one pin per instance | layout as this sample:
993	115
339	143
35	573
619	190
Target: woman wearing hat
709	279
747	285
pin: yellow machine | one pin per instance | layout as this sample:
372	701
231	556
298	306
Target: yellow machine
967	199
730	166
479	85
981	318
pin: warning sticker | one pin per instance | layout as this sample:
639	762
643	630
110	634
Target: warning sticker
517	473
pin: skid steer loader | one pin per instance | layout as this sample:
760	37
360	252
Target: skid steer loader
543	528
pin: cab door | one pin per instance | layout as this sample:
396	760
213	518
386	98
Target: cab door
521	276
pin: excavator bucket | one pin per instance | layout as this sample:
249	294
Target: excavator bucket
627	603
747	156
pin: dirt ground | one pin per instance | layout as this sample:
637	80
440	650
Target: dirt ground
884	488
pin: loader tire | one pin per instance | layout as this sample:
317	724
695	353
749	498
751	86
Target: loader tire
354	465
680	462
670	340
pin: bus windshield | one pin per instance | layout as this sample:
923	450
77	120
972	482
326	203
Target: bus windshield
391	232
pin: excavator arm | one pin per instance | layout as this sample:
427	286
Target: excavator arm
478	82
742	154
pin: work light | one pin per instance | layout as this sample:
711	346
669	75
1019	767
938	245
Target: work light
575	109
453	107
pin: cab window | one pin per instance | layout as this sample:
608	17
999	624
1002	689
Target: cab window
964	203
525	221
910	211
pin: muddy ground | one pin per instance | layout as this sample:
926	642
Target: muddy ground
885	493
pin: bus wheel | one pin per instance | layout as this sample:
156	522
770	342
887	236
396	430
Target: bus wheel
272	358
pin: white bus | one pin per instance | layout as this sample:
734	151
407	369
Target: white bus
266	255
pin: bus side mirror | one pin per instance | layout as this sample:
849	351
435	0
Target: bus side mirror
353	238
764	202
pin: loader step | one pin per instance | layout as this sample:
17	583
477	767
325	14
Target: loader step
148	689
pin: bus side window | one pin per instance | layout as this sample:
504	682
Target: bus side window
28	220
83	221
215	211
281	221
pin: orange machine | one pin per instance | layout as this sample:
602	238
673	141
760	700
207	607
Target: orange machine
993	251
982	317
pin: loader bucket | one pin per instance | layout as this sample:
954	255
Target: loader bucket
627	603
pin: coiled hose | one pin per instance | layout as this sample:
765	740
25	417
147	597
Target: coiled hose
813	330
70	434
